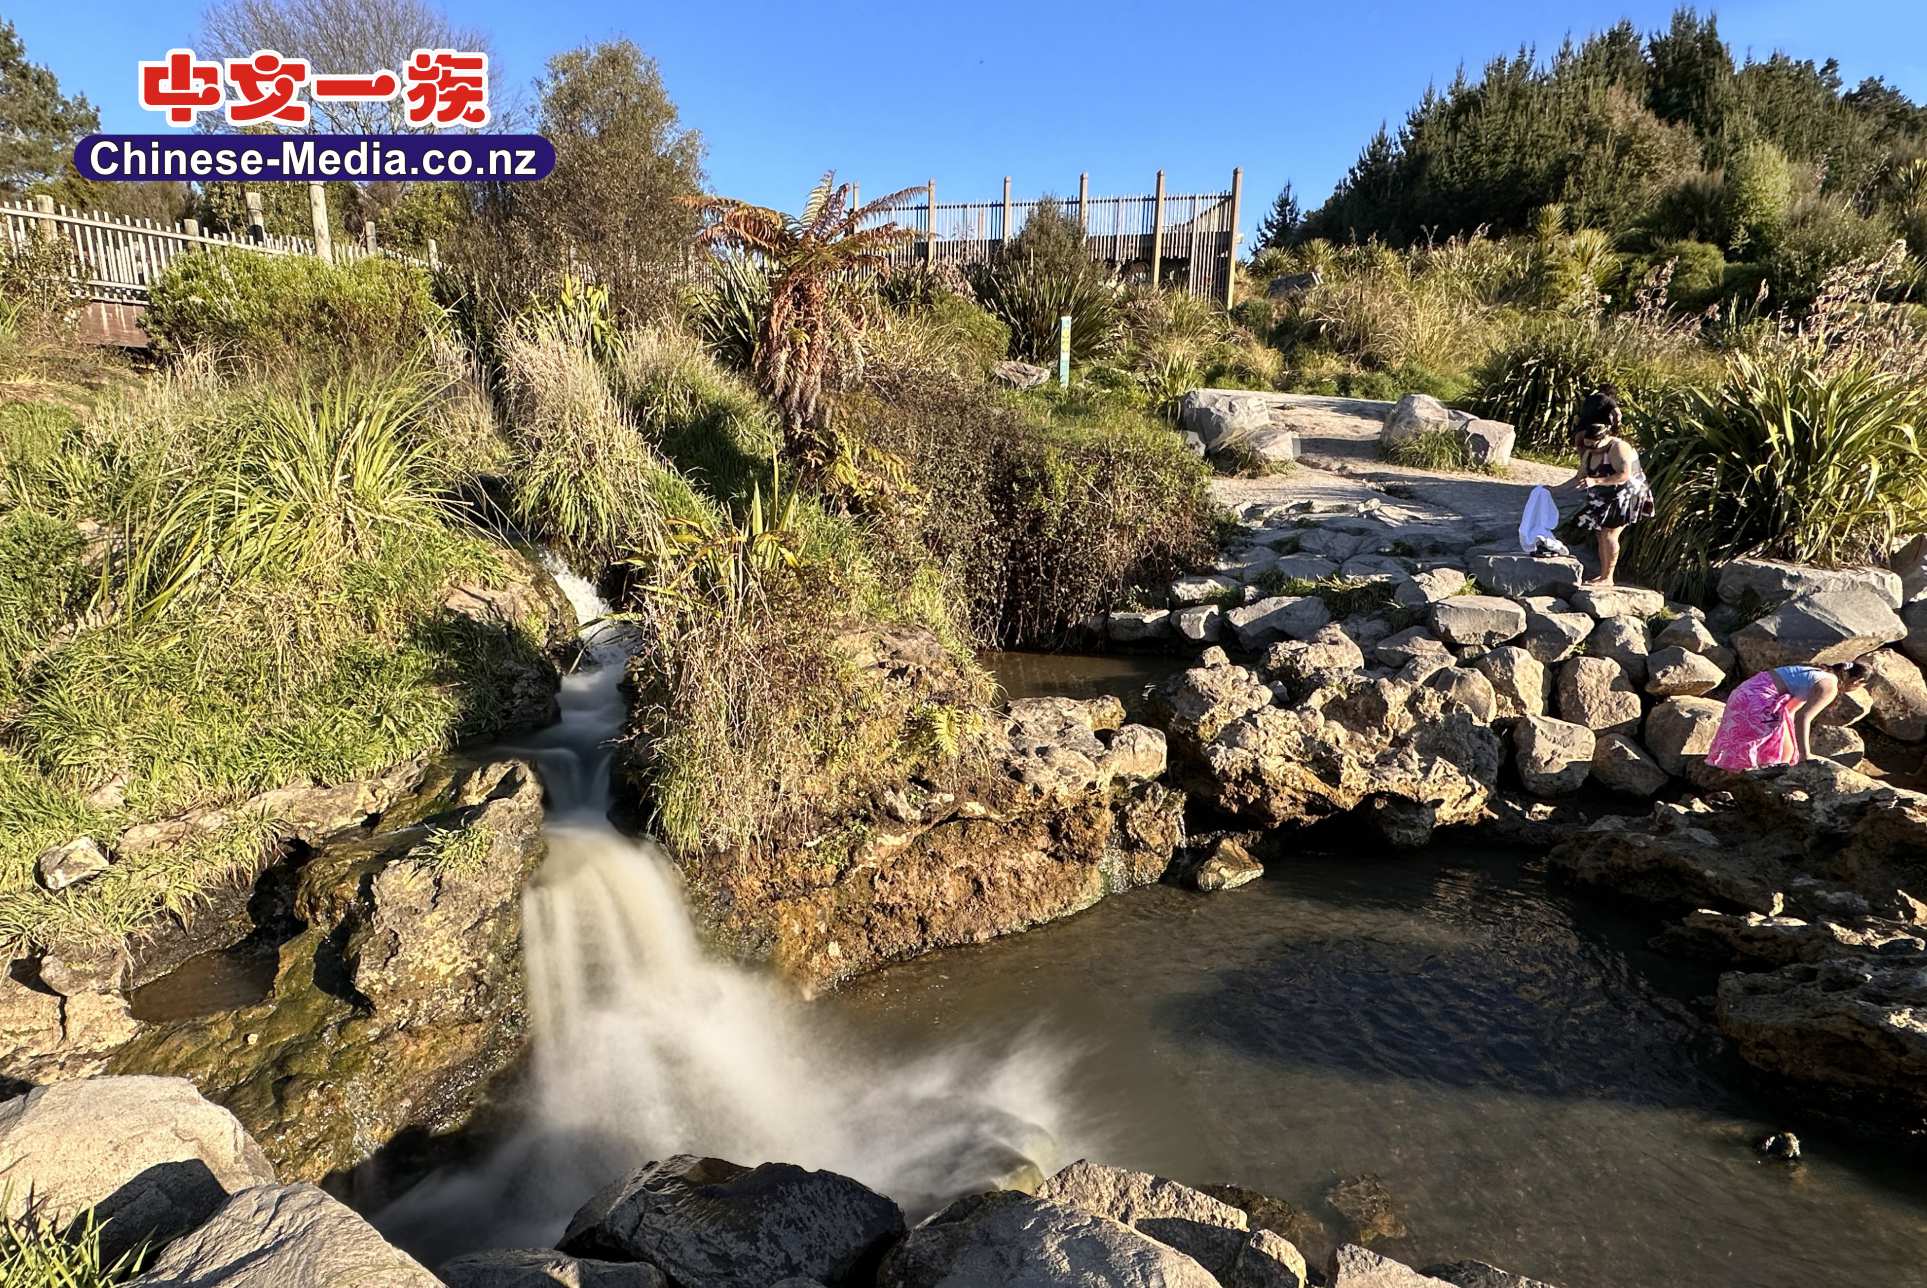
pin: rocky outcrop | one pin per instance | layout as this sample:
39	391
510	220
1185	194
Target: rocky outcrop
1065	808
398	997
1018	1241
1856	1025
1356	1267
283	1236
545	1268
148	1156
1212	1233
707	1222
1766	583
1554	758
1818	628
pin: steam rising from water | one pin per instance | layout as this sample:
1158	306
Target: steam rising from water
643	1046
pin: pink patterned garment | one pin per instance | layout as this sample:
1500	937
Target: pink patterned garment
1757	728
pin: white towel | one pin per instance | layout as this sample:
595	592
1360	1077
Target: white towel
1539	520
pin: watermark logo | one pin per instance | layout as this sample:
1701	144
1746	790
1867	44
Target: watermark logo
437	90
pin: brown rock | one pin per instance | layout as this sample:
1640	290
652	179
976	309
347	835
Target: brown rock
1595	692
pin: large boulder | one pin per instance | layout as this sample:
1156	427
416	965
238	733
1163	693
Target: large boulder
1520	685
1909	563
1195	706
1415	415
1209	1231
1679	731
1624	640
1478	620
1488	443
1914	618
1014	1240
1518	575
1275	618
1554	634
1764	583
1595	692
544	1268
1623	765
1819	628
1187	592
714	1224
1135	626
1676	673
1857	1025
1356	1267
1216	415
1554	758
1267	1260
284	1236
148	1156
1899	697
1423	589
1302	665
1618	601
1467	689
1479	1274
1411	645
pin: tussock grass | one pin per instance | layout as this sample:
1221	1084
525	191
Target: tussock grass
1440	451
36	1254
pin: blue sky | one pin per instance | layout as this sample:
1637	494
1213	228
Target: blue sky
895	94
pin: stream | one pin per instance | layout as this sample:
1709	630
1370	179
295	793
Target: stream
1524	1077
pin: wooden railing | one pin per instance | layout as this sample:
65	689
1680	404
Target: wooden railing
1182	239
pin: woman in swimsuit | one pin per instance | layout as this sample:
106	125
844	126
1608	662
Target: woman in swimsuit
1616	491
1769	718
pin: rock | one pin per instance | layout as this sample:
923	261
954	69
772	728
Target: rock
1520	685
1217	414
1469	690
1623	639
1356	1267
1188	592
1484	620
1909	563
1368	1206
1899	697
1477	1274
544	1268
1488	443
1137	627
1594	692
1195	706
1781	1147
1819	628
1837	743
1305	664
60	866
1518	575
1679	731
1553	636
1199	625
703	1221
1623	765
1554	758
1227	866
1854	1025
1423	589
283	1236
1618	601
1764	583
1265	1212
1331	543
1847	708
1274	447
1378	567
1193	443
1210	1232
1014	1240
1757	941
1267	1260
1416	415
1408	645
1302	567
1689	632
1019	375
1289	286
1914	617
149	1156
1214	657
1676	673
1279	617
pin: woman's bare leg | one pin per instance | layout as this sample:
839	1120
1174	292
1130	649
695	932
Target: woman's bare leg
1608	556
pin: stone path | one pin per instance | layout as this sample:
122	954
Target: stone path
1339	462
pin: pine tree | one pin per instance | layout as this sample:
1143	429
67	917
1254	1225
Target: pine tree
38	124
1279	227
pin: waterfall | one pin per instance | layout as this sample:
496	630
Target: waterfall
643	1045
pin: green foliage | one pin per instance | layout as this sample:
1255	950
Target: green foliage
727	311
1821	235
39	125
1787	458
1698	272
458	850
1440	452
1537	382
1044	275
277	309
1758	193
1279	227
36	1254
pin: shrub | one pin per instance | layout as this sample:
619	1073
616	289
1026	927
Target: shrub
1821	235
1537	382
1786	459
1442	451
1045	274
36	292
1698	272
727	311
278	308
1758	191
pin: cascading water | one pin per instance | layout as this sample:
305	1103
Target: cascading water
643	1046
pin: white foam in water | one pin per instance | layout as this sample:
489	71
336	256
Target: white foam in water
644	1046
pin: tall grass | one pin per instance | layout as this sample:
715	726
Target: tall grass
34	1254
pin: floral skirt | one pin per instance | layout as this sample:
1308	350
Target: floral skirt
1618	505
1757	728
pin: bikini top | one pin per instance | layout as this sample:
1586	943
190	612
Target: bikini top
1799	681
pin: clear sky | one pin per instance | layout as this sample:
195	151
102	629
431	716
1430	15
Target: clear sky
894	94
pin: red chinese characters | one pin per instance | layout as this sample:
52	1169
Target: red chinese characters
376	88
265	86
447	87
180	85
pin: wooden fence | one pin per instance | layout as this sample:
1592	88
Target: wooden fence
1188	240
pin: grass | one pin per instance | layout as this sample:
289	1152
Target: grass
1439	451
454	849
1345	596
34	1254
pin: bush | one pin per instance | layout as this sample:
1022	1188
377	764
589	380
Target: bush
1440	452
726	313
1698	272
1045	274
1820	236
280	308
1786	459
1758	192
1537	382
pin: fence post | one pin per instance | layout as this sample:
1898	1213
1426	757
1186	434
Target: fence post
44	228
324	242
856	195
192	227
368	236
1003	237
1157	233
1083	202
257	226
1231	255
930	230
434	254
